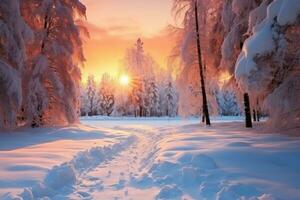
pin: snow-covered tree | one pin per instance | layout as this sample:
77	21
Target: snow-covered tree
235	17
106	95
151	97
211	37
228	103
122	106
253	40
136	98
84	108
268	66
169	99
91	96
14	33
141	68
190	93
54	59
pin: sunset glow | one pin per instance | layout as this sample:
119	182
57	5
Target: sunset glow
224	78
124	80
149	99
116	28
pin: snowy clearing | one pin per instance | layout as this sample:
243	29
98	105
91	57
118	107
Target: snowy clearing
127	158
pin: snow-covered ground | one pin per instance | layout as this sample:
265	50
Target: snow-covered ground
157	158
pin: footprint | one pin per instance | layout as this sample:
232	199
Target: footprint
84	194
120	184
109	174
126	192
93	178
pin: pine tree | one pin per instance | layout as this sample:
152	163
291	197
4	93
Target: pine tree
106	96
14	34
170	99
92	100
136	98
83	101
54	58
151	97
140	68
122	105
228	103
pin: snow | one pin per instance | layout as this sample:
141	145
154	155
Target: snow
289	12
12	97
149	158
219	165
27	157
264	40
260	43
257	15
285	11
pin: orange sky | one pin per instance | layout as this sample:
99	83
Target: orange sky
114	26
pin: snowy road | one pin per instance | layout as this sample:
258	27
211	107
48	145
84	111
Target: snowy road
169	159
114	177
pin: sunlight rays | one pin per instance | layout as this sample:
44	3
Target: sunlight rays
124	80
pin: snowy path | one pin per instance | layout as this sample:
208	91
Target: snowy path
114	178
142	159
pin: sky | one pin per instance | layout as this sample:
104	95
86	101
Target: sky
115	25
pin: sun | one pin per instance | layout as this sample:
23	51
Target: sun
124	80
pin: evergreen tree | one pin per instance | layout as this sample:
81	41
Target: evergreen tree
41	88
228	104
152	97
170	99
84	101
140	68
14	33
54	58
92	100
136	98
106	96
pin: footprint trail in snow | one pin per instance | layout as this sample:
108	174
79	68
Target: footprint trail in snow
114	178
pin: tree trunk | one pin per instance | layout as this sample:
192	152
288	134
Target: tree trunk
254	115
258	112
247	111
204	98
258	115
141	111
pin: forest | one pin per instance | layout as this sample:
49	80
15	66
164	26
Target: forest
202	103
246	47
